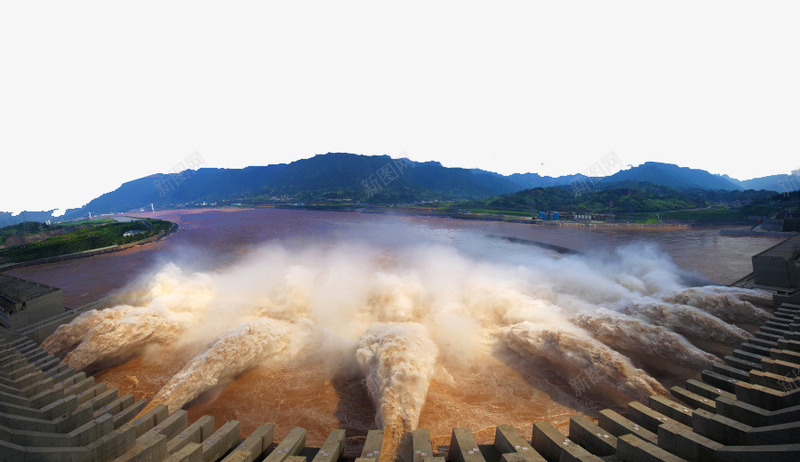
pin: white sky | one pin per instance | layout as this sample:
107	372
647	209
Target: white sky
93	94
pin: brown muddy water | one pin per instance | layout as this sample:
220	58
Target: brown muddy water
328	320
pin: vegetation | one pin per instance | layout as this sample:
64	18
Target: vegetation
34	230
86	236
638	202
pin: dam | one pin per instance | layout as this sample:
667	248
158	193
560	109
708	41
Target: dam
746	408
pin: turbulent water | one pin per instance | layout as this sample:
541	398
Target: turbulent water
592	364
404	319
397	360
231	354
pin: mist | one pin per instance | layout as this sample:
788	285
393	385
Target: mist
401	314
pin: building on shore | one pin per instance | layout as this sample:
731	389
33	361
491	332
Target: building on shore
23	303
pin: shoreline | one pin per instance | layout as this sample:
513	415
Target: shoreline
92	252
410	211
746	231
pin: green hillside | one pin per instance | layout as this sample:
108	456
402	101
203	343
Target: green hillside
638	202
95	235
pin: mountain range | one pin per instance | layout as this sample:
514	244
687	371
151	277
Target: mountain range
352	178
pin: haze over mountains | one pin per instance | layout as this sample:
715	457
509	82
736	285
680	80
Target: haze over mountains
342	177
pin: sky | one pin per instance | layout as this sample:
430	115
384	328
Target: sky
93	94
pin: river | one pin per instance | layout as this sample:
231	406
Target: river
241	264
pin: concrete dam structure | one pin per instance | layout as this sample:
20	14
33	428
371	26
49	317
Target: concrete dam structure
746	408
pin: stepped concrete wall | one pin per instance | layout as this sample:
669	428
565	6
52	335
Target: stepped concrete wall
746	409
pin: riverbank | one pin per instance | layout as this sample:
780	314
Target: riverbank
92	252
477	216
755	231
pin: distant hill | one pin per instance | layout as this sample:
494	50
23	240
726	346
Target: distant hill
8	219
205	184
626	199
674	176
379	180
534	180
325	177
779	183
636	197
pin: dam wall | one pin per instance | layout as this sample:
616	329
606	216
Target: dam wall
745	409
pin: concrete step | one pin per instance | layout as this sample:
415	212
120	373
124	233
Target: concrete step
773	330
25	346
19	341
791	345
63	423
671	409
332	447
781	367
46	363
19	370
706	390
104	398
372	445
693	400
618	425
69	380
795	334
78	384
770	336
91	392
591	437
51	411
294	442
147	421
463	447
192	452
747	356
151	446
742	364
765	397
763	343
646	417
421	445
507	440
731	432
36	355
682	441
778	323
81	436
29	391
732	372
719	428
126	415
60	373
753	348
24	381
172	425
554	446
198	431
783	313
254	446
718	380
226	437
9	357
754	415
633	449
774	453
776	381
115	406
785	355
